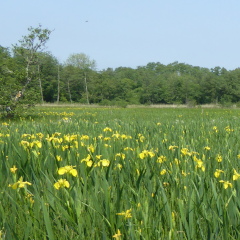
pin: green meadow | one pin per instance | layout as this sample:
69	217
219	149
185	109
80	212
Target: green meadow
121	173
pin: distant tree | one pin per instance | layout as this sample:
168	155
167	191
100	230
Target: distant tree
17	87
8	85
28	48
104	86
83	62
47	75
230	86
73	83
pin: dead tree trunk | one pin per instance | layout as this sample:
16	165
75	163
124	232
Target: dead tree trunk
69	91
58	94
86	88
40	84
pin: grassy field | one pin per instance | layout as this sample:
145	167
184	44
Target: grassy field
108	173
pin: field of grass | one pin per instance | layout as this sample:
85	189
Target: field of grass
108	173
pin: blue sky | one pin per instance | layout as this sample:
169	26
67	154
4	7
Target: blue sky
131	33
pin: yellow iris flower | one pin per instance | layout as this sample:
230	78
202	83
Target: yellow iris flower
236	175
67	169
13	169
61	183
126	214
218	172
19	184
226	184
117	235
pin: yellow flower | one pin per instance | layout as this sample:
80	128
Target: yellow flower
218	172
98	157
143	154
13	169
185	152
116	135
67	169
207	148
107	145
88	160
226	184
164	171
177	161
121	155
228	129
70	138
126	214
84	137
104	162
236	175
100	136
37	143
31	144
215	129
61	183
91	148
64	147
128	149
141	137
19	184
75	144
30	198
119	166
151	154
171	147
107	129
89	163
59	158
106	138
40	135
56	134
2	234
165	184
146	153
219	158
117	235
25	144
124	136
161	159
200	164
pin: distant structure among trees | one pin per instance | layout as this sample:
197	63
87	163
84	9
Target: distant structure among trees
18	95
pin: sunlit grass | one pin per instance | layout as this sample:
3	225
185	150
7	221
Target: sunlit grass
86	173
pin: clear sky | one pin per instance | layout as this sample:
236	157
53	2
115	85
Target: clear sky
131	33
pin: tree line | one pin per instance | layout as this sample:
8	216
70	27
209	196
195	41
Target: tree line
37	76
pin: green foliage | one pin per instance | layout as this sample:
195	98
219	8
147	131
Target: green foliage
77	80
105	102
120	103
19	75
